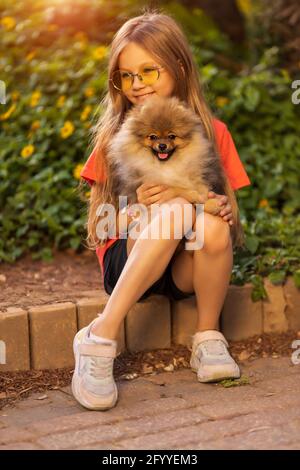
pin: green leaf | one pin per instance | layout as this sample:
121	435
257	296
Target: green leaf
252	97
252	243
277	277
296	277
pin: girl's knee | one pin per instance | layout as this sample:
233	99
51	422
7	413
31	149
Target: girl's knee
217	235
184	214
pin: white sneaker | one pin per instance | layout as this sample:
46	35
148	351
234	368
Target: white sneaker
93	383
210	358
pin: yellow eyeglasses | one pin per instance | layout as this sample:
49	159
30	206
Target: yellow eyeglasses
122	80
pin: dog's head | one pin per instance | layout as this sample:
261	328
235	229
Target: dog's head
163	126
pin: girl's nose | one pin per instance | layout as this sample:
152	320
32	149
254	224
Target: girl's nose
137	84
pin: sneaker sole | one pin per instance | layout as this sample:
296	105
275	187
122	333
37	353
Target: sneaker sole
83	403
76	383
216	376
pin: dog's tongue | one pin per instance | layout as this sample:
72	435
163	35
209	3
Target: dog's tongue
162	155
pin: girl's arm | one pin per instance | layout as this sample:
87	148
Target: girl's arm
212	205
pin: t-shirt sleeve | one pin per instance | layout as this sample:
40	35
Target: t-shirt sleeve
233	166
92	170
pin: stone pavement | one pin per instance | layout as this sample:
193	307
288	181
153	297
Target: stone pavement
170	410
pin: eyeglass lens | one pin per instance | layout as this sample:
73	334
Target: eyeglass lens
123	80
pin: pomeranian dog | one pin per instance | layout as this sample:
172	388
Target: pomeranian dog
162	141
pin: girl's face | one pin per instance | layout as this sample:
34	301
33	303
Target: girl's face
131	58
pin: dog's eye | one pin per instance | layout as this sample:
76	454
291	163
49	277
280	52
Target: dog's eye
172	136
152	137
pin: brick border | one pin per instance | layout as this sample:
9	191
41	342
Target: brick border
41	337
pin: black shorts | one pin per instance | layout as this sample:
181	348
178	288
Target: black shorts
114	261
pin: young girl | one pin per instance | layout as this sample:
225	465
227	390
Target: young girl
135	268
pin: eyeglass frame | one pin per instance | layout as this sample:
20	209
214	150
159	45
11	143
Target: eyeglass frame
134	75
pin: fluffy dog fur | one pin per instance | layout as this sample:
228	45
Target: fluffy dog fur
162	141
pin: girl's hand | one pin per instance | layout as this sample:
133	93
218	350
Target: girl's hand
226	210
149	193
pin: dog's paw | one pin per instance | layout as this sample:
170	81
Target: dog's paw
212	206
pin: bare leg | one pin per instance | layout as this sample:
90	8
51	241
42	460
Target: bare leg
146	262
207	271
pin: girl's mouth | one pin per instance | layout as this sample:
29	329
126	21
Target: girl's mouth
143	97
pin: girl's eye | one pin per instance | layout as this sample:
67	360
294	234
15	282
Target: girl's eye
152	137
125	75
172	136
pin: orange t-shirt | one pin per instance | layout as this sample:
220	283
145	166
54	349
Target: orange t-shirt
232	164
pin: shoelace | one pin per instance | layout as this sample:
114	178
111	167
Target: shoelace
101	367
214	347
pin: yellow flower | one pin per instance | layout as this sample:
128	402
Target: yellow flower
77	170
88	92
61	101
8	113
15	95
100	52
8	22
35	125
245	6
35	98
67	129
221	101
30	56
88	194
27	151
285	74
263	203
85	113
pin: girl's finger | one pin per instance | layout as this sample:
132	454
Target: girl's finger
154	190
153	199
225	211
223	200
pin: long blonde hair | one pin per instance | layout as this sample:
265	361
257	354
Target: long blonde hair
160	35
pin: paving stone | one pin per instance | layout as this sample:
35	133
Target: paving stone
21	446
197	436
241	318
264	437
14	434
124	429
14	340
148	324
182	414
52	330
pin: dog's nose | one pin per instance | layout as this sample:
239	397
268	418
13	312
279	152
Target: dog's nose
162	147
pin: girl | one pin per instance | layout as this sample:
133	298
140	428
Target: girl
135	268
